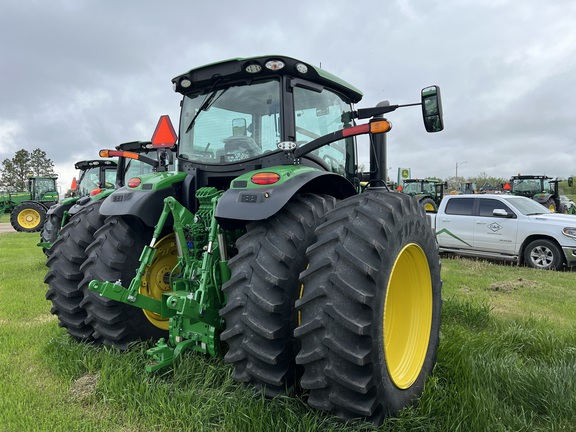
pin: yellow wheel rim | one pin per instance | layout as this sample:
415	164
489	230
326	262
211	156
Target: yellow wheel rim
29	218
407	317
429	207
156	280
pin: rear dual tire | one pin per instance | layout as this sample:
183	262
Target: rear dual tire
264	284
370	309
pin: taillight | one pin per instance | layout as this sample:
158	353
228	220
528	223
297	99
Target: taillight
134	182
265	178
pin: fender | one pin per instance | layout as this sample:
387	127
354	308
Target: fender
542	198
145	201
246	201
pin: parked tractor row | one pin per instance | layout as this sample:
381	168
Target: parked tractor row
263	239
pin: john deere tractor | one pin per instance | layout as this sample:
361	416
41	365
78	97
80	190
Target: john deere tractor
540	188
94	175
264	241
98	178
428	192
28	208
79	223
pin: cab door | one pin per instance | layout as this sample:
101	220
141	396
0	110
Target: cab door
495	233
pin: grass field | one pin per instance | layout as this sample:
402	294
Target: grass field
506	362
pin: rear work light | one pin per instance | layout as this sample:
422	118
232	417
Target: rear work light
265	178
134	182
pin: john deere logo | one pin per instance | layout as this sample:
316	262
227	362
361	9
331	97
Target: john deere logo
405	173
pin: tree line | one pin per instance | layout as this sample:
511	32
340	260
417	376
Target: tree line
14	172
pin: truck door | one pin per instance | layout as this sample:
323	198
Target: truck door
455	227
495	233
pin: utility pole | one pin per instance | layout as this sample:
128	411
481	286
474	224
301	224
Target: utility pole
456	179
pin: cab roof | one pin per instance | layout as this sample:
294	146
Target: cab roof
215	75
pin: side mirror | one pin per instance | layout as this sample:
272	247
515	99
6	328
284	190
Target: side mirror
432	109
570	181
502	213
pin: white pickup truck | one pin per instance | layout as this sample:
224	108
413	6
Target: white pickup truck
505	227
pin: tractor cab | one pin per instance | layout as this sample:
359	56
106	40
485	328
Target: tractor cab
43	189
94	175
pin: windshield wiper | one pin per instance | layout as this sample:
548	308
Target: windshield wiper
208	101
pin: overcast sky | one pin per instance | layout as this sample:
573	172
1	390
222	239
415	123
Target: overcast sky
77	76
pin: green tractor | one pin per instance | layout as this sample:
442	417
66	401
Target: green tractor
428	192
94	175
540	188
79	223
98	179
265	241
28	208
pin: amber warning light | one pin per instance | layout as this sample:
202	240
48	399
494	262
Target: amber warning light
164	135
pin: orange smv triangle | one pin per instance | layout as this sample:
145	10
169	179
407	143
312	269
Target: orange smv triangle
164	135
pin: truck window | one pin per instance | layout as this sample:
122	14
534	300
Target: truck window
487	207
461	206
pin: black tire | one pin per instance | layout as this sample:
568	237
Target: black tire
68	253
50	231
264	285
543	254
371	303
429	204
550	205
28	217
114	256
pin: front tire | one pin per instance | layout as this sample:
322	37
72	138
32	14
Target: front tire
68	253
260	314
115	256
543	255
370	307
28	217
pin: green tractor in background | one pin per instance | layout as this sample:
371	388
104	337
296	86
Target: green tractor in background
542	189
94	175
98	178
429	192
79	223
265	240
28	208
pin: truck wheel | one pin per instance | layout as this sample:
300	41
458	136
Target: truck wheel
67	255
429	205
50	231
28	217
370	307
543	255
115	256
264	284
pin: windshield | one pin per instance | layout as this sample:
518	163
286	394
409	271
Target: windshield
236	123
134	167
242	122
412	188
527	206
529	186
